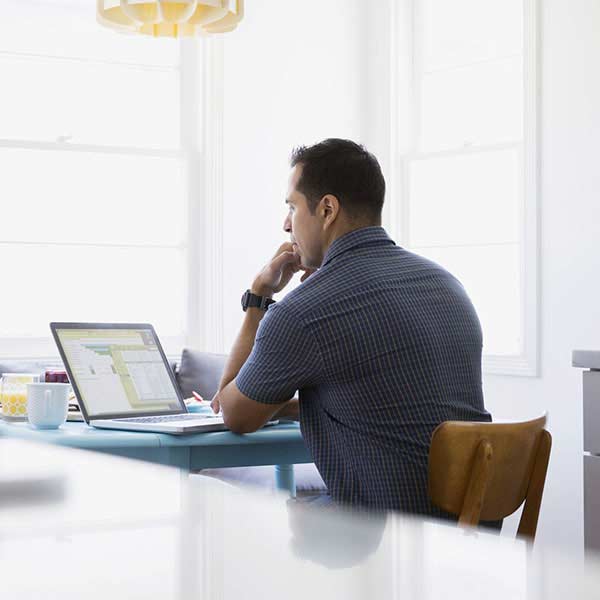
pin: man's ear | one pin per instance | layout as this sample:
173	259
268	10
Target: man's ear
329	208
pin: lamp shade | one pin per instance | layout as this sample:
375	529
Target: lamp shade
170	18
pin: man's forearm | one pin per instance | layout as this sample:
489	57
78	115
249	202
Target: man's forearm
272	279
241	413
242	346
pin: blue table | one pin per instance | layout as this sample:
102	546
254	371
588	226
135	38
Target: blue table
281	445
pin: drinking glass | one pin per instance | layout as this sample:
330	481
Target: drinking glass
13	395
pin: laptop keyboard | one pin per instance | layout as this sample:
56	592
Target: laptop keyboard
168	418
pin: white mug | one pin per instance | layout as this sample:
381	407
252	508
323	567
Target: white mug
47	404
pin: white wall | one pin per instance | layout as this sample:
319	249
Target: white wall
292	77
300	77
570	255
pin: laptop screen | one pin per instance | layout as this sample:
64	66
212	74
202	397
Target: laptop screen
117	371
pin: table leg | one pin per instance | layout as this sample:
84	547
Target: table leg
179	457
284	479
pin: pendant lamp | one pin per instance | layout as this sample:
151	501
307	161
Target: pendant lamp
170	18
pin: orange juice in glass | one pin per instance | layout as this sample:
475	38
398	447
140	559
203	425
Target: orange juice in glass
13	395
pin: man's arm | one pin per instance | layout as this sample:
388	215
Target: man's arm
242	346
244	415
240	413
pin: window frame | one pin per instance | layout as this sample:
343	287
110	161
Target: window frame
404	103
190	153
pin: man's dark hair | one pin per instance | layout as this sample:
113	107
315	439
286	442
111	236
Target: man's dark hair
344	169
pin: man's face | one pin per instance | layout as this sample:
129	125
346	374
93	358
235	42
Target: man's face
304	228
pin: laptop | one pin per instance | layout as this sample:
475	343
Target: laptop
122	379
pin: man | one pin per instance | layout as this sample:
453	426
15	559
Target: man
382	345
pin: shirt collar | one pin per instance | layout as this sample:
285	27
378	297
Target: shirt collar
365	236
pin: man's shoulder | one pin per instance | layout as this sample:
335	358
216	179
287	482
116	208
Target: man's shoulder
368	273
331	282
302	300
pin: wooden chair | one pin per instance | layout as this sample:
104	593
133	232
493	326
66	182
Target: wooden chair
484	471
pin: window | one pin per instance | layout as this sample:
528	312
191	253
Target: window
94	182
466	159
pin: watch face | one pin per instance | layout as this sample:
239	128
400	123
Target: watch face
245	297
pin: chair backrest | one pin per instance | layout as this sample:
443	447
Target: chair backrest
484	471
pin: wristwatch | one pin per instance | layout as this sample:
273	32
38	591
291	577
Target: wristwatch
250	300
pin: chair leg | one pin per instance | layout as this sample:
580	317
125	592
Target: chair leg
533	500
480	475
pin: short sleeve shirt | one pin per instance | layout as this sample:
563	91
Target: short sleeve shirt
382	345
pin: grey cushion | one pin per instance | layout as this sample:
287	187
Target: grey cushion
200	372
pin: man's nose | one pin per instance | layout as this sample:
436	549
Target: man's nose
287	225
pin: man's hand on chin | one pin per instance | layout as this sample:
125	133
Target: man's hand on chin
276	274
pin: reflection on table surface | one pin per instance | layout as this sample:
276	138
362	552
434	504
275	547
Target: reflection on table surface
74	524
